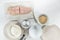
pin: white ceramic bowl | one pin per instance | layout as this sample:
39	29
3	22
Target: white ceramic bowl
13	30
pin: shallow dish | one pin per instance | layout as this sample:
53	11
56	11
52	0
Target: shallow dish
13	31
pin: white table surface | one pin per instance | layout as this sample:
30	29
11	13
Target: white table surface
49	7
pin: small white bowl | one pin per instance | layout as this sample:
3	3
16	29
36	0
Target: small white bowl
13	30
37	16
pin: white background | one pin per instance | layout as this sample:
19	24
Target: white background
49	7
